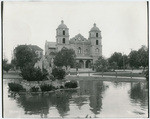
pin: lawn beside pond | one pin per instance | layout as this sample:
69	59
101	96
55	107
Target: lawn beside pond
96	76
12	75
104	78
123	74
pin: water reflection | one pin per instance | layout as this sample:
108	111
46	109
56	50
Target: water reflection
89	99
94	89
139	93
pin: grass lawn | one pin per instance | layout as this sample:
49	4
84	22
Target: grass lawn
124	74
104	79
11	75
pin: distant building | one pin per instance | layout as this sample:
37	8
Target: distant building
37	50
87	50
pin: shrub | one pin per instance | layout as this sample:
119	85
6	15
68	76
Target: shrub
34	89
52	77
15	87
31	73
58	73
71	84
61	87
147	74
46	87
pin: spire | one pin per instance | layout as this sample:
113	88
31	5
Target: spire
94	24
62	21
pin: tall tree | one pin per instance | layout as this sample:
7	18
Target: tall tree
116	58
25	55
65	57
101	64
133	59
6	65
143	57
125	61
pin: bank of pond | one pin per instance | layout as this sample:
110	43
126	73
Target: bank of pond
42	87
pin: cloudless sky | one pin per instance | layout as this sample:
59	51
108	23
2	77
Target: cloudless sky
123	25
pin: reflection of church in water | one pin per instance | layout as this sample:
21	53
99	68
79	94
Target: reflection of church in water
87	50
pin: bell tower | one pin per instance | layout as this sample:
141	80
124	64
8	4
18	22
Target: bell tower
62	36
96	42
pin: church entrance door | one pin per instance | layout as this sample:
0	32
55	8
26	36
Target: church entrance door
87	64
81	64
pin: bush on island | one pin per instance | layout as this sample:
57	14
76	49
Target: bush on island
71	84
58	73
34	89
16	87
31	73
46	87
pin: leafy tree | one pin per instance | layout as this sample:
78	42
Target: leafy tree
101	64
143	57
113	66
65	57
25	55
14	63
58	73
125	61
133	59
117	58
31	73
6	66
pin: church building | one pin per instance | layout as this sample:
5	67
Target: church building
87	50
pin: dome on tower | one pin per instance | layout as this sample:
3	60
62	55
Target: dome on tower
62	25
94	28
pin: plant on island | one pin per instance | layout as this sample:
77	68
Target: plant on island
71	84
16	87
47	87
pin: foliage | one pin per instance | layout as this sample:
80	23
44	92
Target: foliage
65	57
143	56
34	89
46	87
117	58
31	73
61	87
71	84
133	59
6	66
25	55
58	73
15	87
101	64
113	66
147	74
14	63
125	61
52	77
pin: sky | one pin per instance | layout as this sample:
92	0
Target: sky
123	25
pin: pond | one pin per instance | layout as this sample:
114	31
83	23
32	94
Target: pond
94	99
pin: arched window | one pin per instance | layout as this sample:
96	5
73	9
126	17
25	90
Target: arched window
96	34
63	32
79	50
96	42
96	50
86	51
64	40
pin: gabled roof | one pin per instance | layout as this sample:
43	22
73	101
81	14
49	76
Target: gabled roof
79	39
35	47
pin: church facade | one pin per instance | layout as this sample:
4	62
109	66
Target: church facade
87	50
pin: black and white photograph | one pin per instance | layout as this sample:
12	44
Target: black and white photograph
76	59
